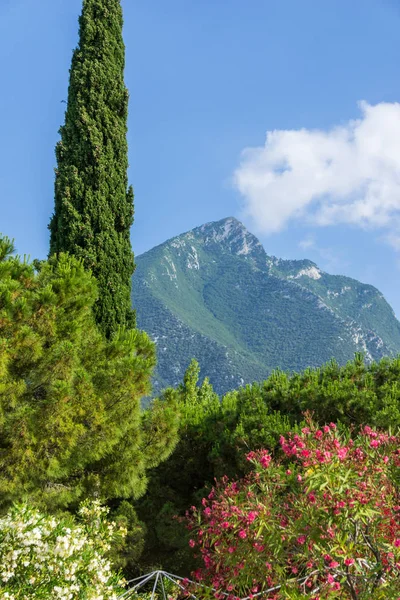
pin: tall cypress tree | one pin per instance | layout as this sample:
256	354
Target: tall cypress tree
93	203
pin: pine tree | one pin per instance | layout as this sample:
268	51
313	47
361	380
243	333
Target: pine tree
71	425
93	203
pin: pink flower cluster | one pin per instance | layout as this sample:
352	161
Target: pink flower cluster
261	457
324	519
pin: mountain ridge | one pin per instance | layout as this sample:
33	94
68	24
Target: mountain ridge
213	293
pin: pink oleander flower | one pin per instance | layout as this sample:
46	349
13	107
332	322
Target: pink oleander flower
287	527
333	564
301	539
251	516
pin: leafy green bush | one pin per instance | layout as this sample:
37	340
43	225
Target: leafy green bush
214	435
355	393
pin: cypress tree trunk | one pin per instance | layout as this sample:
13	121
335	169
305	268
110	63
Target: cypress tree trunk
93	203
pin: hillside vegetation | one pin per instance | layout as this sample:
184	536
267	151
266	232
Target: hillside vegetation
214	294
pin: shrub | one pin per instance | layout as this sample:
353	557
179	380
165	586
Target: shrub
213	437
42	557
321	522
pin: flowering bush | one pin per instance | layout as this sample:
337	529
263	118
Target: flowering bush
42	557
322	522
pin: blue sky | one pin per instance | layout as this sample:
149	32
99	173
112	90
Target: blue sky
208	80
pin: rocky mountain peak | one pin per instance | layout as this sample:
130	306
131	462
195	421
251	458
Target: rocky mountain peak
214	294
231	235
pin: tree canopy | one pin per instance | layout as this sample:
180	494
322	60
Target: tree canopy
93	204
71	424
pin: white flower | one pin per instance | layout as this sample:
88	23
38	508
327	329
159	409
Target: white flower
29	540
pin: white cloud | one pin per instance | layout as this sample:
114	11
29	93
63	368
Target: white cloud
349	174
332	259
393	238
307	243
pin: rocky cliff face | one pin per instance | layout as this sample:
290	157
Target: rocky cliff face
214	294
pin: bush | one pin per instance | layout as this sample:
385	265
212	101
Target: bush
42	557
213	437
322	522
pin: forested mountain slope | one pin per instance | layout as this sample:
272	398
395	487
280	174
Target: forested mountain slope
214	294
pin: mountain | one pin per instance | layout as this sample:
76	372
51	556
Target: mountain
214	294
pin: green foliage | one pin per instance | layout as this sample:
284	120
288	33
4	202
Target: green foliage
355	393
93	205
215	434
213	437
214	294
127	550
70	416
